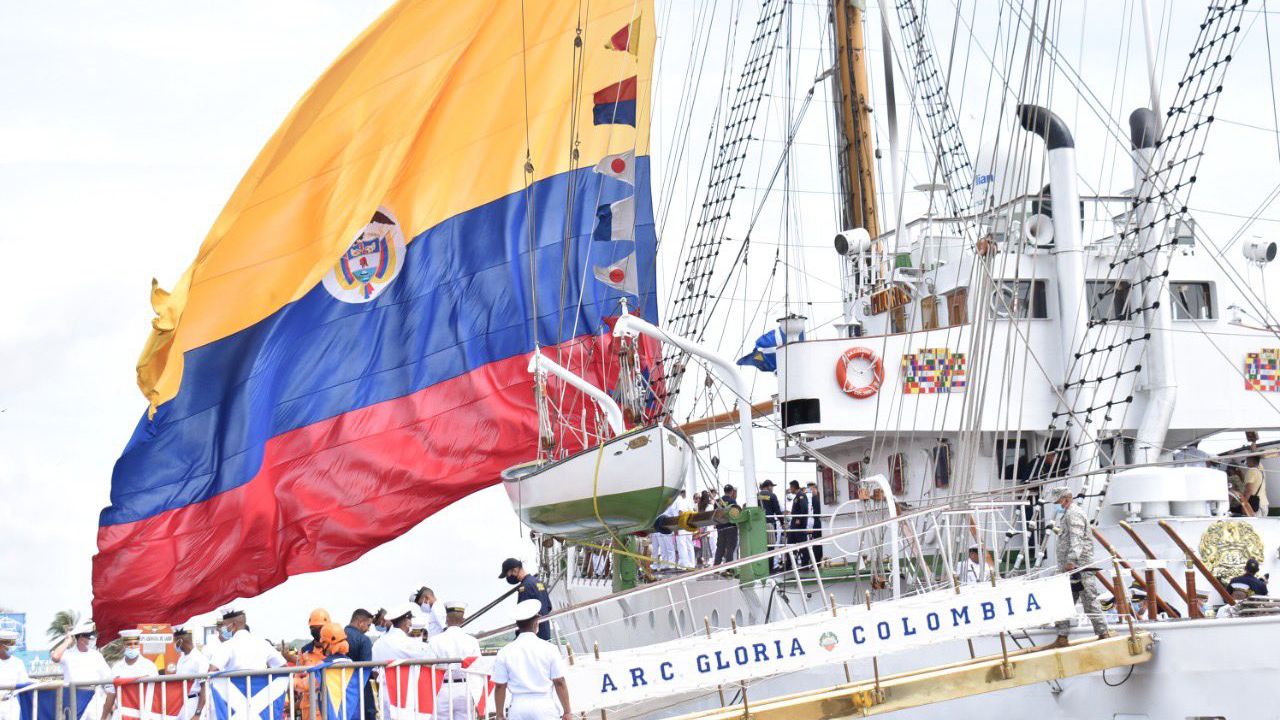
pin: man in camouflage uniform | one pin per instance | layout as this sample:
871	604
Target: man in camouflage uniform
1075	555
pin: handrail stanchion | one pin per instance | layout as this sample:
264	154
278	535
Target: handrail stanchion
706	622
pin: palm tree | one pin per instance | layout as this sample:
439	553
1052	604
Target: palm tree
63	622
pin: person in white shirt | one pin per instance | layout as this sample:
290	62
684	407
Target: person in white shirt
191	662
684	538
454	696
82	663
396	644
240	649
131	666
529	669
971	571
432	610
12	672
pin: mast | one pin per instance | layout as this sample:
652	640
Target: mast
857	153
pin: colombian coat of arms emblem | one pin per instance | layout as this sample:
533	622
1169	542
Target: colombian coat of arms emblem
371	262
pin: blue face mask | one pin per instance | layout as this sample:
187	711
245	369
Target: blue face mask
131	653
224	633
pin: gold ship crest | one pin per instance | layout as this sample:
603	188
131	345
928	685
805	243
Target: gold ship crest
1226	545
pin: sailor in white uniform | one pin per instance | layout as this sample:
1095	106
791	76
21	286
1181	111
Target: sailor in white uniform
529	669
191	662
240	649
454	697
970	570
432	609
683	538
12	672
395	644
131	666
82	663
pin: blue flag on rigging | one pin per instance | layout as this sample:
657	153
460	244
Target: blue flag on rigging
765	355
249	697
44	704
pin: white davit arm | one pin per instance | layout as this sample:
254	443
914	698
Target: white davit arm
724	367
612	413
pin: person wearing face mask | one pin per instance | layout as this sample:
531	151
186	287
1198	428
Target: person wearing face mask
531	588
310	654
131	666
12	672
82	663
431	608
240	649
1075	555
191	662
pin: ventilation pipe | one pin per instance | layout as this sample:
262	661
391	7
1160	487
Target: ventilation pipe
1069	263
1161	386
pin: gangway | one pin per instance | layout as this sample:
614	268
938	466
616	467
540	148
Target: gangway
945	682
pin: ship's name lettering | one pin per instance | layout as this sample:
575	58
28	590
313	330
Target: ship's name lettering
772	651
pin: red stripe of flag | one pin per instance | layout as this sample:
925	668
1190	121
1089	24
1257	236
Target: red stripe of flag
617	92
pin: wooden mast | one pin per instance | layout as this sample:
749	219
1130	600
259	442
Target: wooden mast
857	152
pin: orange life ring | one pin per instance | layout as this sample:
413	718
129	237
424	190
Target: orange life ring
842	372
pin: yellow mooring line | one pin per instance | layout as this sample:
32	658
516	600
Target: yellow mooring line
945	682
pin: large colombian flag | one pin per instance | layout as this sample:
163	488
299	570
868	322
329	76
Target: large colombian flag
347	353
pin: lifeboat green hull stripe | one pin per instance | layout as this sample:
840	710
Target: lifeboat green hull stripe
625	512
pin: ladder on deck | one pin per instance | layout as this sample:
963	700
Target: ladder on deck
946	682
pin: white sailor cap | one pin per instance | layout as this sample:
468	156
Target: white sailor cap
230	611
419	622
455	606
1240	586
526	609
1138	592
84	627
130	634
399	610
8	636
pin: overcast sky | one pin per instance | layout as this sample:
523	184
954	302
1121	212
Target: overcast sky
125	125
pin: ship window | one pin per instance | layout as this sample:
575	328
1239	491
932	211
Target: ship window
942	464
1192	300
1108	299
929	312
1019	300
898	473
957	306
898	319
828	487
855	479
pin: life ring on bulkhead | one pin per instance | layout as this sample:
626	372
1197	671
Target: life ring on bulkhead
876	365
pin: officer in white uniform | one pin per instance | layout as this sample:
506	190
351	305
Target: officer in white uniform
82	663
191	662
12	672
240	649
454	697
131	666
432	609
529	669
395	644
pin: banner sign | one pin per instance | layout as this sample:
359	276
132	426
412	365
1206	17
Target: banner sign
854	633
16	622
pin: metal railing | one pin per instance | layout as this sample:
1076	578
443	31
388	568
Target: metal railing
341	690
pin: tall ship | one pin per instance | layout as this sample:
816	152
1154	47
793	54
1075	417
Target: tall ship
1005	288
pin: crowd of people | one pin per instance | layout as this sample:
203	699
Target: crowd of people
794	518
422	628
